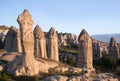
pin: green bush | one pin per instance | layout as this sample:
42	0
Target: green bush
97	71
26	78
83	72
70	61
5	77
97	62
118	70
107	61
53	71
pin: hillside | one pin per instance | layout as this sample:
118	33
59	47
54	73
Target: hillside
106	37
3	27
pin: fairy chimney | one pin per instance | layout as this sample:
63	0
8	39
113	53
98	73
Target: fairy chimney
85	57
12	40
40	42
53	45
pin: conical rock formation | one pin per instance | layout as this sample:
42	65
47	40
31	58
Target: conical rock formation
53	45
40	42
85	50
12	40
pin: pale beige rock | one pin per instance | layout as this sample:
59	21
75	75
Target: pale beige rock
53	45
10	56
40	42
12	40
85	51
27	65
1	68
27	40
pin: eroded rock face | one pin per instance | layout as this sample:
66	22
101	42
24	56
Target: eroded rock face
40	42
85	50
53	45
113	49
26	64
12	40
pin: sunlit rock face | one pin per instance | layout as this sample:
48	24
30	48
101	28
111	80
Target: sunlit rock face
53	45
12	40
85	50
26	64
40	42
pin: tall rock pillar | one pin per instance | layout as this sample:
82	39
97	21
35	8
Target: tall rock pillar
12	40
53	45
26	64
85	56
40	42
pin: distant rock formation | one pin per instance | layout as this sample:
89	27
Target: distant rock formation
12	40
85	57
67	38
113	49
53	45
40	42
99	49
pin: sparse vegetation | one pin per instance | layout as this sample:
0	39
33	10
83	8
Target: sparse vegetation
2	50
107	61
26	78
7	77
70	61
53	71
72	51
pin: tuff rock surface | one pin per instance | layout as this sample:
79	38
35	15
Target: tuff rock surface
85	50
12	40
27	64
40	42
53	45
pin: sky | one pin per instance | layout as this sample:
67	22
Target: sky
71	16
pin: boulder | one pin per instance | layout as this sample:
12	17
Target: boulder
10	56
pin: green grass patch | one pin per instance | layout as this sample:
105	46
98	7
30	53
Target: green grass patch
73	51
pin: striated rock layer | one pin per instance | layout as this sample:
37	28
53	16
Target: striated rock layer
53	45
40	42
12	40
85	51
